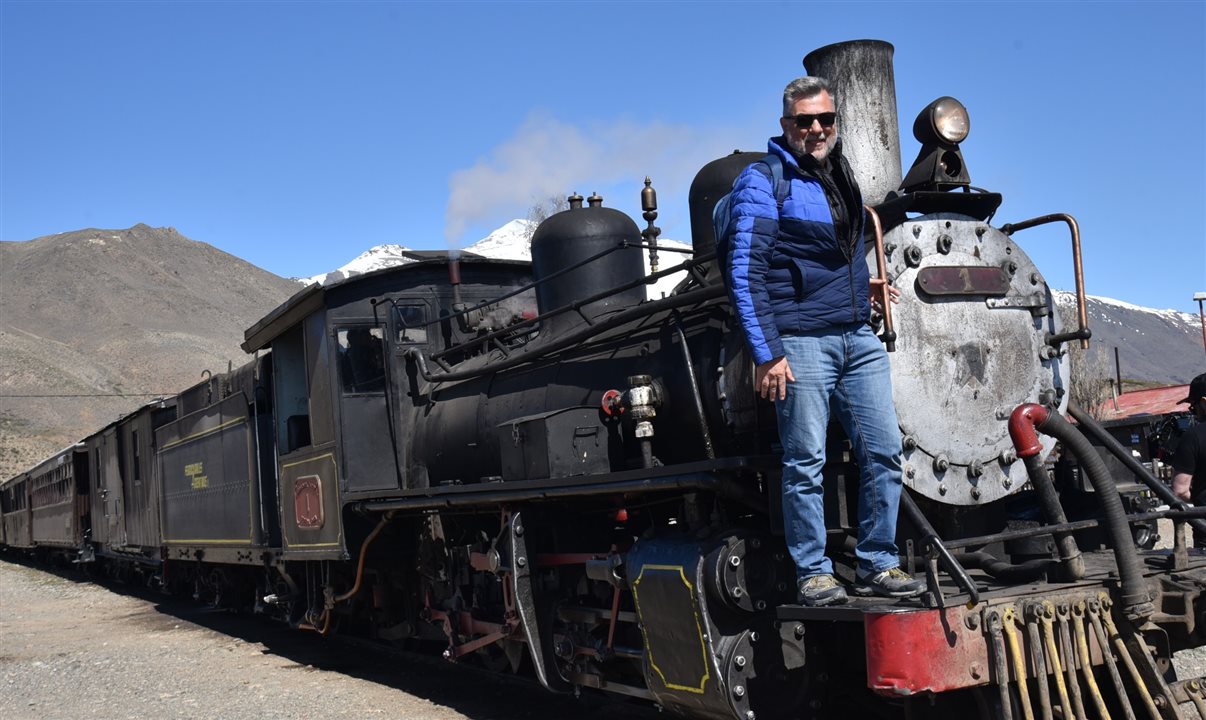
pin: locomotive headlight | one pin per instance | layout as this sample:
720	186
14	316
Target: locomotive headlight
944	120
940	127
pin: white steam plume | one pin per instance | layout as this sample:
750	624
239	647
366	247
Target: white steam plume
548	157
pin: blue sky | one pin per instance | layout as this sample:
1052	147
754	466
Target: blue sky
296	135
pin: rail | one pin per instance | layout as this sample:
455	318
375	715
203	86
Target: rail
1082	333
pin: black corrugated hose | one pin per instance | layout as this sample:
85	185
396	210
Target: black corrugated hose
1136	601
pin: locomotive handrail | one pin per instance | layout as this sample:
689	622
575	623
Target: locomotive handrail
643	280
881	282
701	295
646	279
521	289
705	435
1082	333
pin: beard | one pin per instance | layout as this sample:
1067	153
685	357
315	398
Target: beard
799	147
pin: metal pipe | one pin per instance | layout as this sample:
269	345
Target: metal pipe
385	520
454	280
696	481
571	307
1065	542
981	540
611	626
674	301
1021	422
1201	297
1003	571
1137	603
881	282
1083	333
1142	474
706	436
1117	370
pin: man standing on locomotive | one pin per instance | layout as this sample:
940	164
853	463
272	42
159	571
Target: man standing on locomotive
801	289
1189	460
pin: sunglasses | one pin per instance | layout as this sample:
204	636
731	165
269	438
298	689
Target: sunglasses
804	121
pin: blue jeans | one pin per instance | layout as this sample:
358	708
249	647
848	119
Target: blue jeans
844	369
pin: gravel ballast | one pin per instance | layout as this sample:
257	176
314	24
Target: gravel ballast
74	649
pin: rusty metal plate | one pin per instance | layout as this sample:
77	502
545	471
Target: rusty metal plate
963	280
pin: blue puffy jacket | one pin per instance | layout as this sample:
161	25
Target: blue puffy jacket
789	272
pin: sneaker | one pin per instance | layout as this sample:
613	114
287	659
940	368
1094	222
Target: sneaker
890	583
821	590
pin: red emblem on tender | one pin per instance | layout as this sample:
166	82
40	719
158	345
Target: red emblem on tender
307	502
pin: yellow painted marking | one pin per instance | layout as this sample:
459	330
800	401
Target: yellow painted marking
208	541
698	628
292	546
316	458
195	473
203	433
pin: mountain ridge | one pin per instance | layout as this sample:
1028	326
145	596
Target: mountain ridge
94	322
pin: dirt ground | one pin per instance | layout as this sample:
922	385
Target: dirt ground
73	649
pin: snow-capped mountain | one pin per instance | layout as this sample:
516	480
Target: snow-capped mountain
375	258
512	241
1161	346
509	242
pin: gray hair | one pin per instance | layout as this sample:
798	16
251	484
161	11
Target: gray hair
804	87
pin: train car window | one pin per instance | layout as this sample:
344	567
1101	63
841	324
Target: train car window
411	324
361	359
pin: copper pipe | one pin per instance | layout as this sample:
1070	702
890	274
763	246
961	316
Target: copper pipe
1082	315
326	613
385	520
615	610
1202	315
454	279
326	624
881	281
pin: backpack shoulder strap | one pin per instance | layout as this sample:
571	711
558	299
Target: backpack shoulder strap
781	185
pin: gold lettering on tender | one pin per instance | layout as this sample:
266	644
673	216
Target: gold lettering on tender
194	471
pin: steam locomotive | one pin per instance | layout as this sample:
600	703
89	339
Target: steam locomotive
538	468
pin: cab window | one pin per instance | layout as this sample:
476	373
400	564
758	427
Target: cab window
411	324
361	359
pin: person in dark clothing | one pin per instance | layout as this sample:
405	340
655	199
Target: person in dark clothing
801	290
1189	461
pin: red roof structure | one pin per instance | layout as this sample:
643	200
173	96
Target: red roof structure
1152	401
